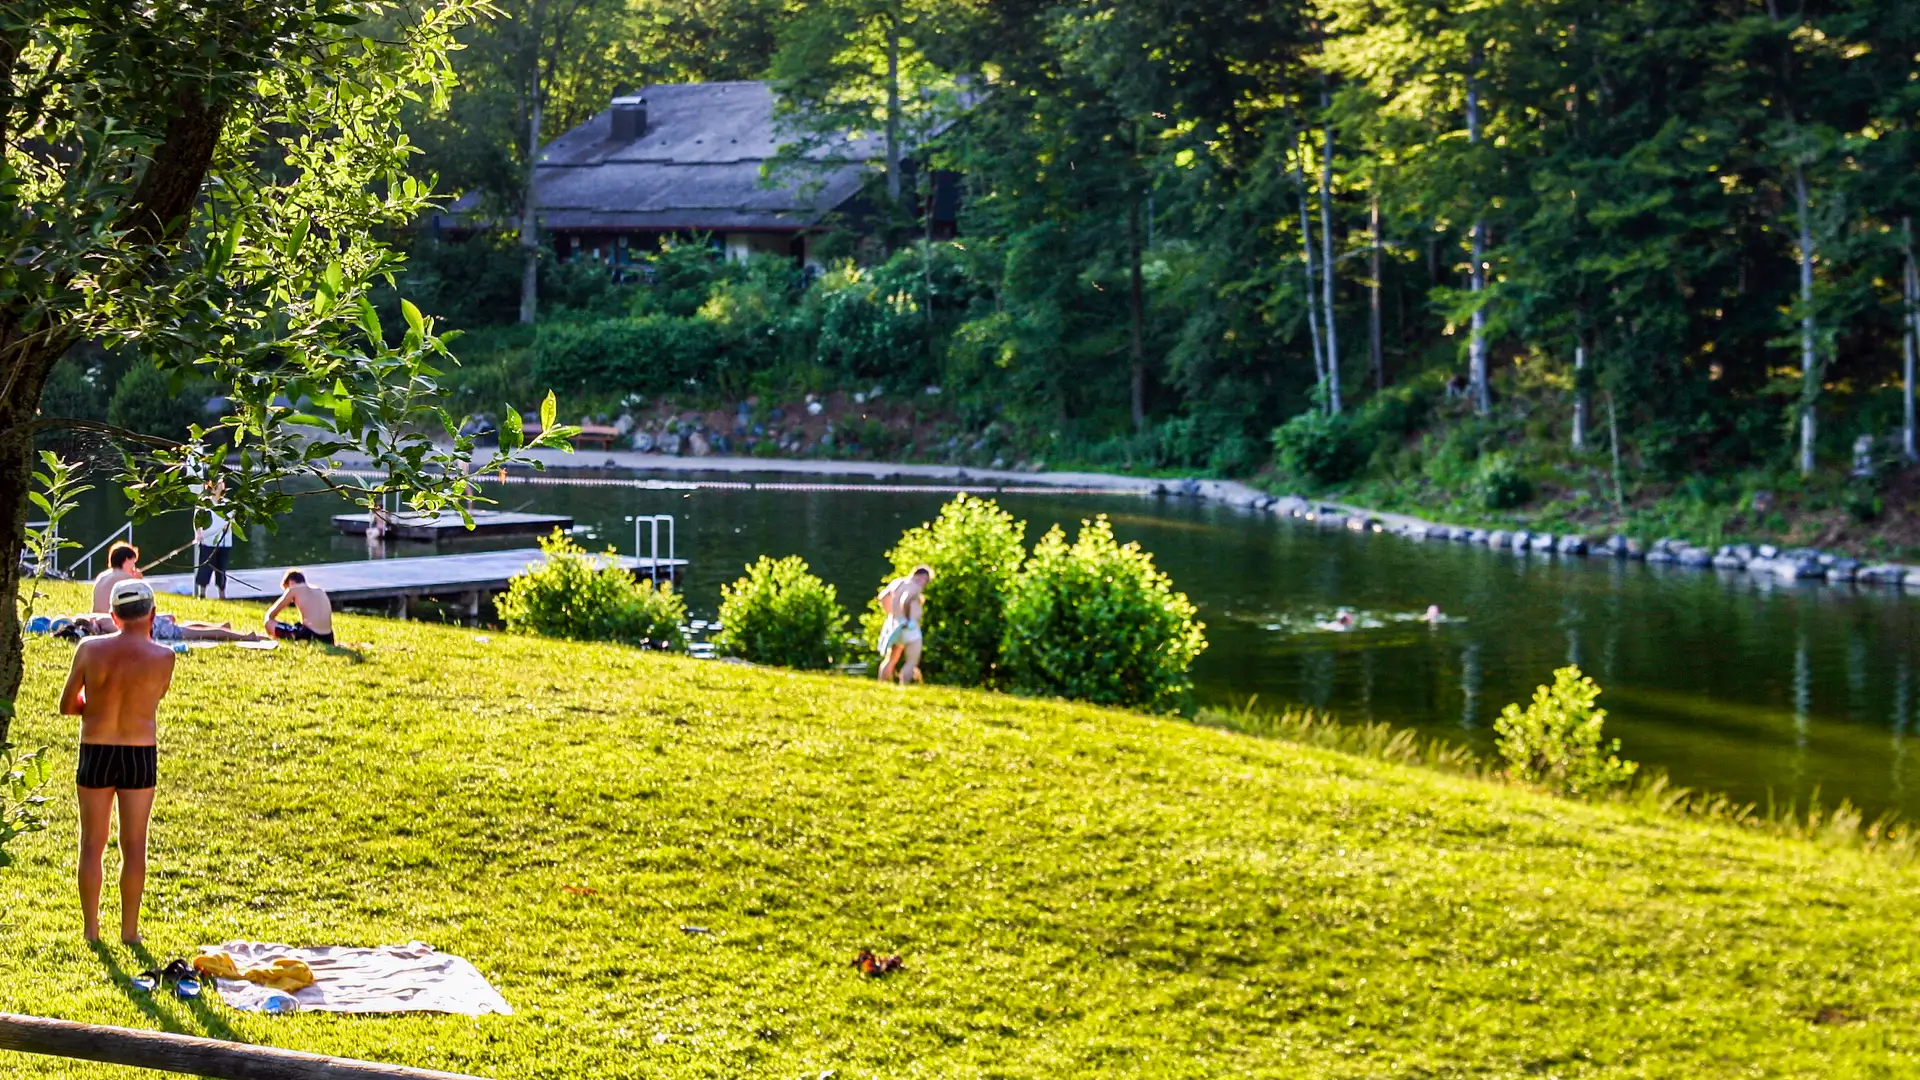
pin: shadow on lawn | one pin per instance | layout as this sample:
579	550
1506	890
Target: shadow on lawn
352	652
177	1015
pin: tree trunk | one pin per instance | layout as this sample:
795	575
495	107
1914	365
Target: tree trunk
529	226
1137	305
1809	351
1306	253
1613	439
893	112
1327	279
1912	336
1374	350
1477	280
16	480
1579	398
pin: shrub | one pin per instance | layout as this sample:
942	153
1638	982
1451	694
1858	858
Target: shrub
975	549
579	597
868	325
1500	484
1098	622
1320	448
22	776
653	354
779	613
1556	742
146	401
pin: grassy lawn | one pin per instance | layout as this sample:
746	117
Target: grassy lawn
1076	891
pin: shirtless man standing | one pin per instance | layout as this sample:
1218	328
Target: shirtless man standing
904	602
313	604
115	688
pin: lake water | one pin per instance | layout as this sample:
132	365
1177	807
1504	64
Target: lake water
1758	691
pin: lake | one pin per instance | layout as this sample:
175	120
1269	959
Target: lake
1757	690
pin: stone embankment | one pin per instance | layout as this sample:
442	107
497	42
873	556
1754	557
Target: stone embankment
1760	561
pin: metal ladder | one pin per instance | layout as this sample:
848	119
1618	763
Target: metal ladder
653	543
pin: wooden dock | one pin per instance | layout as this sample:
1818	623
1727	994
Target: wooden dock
446	524
465	578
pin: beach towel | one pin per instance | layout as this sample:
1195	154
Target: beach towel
392	978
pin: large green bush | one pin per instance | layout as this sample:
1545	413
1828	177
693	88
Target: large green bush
581	597
653	354
146	401
1323	449
975	549
1556	742
1500	483
781	614
1097	621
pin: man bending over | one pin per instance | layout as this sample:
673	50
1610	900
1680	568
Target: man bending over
313	606
115	688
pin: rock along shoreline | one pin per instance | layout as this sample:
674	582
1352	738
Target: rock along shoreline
1759	561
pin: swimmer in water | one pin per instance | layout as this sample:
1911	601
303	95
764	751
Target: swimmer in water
1344	620
1433	615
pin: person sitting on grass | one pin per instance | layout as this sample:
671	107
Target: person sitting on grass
312	605
123	564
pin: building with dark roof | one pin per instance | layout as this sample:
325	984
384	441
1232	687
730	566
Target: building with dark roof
691	159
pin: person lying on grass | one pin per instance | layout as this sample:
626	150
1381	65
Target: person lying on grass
312	605
123	564
115	688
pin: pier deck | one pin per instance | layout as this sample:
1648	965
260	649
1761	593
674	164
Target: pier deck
408	525
465	576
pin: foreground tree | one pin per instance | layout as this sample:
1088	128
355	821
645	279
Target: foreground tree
204	184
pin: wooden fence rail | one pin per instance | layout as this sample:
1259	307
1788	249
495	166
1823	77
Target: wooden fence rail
194	1057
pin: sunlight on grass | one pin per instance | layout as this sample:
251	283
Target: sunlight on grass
1075	891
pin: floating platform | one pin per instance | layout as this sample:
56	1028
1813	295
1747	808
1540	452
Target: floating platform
466	577
438	525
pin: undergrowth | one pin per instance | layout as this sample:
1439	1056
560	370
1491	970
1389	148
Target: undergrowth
1841	826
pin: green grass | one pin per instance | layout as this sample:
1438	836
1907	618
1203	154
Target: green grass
1076	891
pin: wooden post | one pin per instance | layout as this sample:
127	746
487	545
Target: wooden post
191	1056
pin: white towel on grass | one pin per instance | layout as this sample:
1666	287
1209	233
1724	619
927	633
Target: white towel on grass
392	978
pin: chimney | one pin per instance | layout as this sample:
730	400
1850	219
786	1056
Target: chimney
629	118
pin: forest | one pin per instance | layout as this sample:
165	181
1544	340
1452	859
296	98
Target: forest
1482	253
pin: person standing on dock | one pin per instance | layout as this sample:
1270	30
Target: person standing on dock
215	543
115	689
904	602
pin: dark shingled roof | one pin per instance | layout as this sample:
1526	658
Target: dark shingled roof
697	167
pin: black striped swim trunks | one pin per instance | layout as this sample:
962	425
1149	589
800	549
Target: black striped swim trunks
129	768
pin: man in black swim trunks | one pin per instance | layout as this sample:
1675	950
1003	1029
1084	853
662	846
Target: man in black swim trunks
115	688
313	605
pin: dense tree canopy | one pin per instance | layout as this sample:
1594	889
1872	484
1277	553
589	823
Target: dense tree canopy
1186	223
204	187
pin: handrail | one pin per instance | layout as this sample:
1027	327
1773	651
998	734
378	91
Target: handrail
126	530
653	543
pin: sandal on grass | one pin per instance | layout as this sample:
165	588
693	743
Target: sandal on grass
146	982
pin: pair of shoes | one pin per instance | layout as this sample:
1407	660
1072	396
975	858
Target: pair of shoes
177	974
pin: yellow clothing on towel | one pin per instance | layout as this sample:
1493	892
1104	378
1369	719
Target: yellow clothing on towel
281	973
